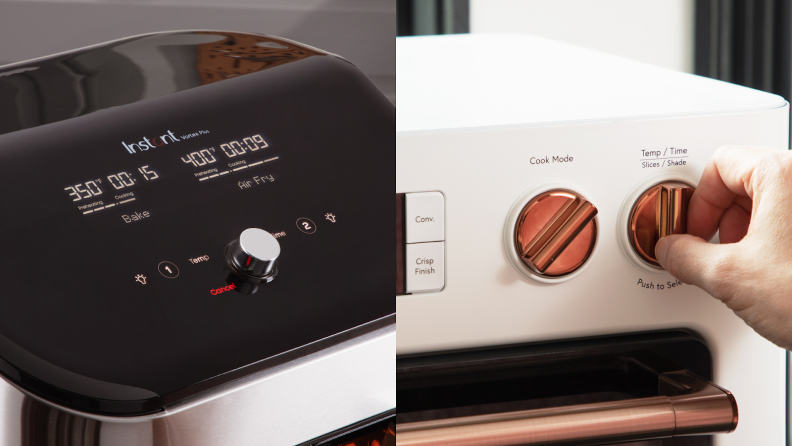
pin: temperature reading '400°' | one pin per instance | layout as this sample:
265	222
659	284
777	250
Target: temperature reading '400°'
200	158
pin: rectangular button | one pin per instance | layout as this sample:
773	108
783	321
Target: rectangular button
424	217
425	267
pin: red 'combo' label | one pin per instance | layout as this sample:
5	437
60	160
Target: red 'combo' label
222	290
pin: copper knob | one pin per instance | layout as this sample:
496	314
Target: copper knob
658	212
556	233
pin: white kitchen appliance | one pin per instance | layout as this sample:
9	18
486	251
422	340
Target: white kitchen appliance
533	179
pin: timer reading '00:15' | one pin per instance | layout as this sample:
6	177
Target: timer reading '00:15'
231	149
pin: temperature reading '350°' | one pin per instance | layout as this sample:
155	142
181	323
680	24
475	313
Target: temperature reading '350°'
84	190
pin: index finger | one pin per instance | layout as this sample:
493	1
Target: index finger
730	173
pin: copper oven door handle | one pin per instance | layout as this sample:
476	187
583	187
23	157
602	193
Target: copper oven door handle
706	409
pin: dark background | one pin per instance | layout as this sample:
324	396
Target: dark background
362	31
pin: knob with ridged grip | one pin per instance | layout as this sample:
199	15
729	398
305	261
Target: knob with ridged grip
660	211
555	233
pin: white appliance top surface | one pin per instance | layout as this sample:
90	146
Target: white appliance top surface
505	80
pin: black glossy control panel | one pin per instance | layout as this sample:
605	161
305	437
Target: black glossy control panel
124	178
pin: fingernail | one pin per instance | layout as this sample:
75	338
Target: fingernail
661	249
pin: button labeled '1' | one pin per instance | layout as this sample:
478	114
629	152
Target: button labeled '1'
425	267
168	269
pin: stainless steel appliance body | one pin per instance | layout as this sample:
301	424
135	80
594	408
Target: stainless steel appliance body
190	255
294	403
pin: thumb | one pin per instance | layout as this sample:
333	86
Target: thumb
693	261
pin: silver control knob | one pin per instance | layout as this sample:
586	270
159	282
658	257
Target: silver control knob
254	256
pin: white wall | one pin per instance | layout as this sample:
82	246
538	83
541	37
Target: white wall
659	32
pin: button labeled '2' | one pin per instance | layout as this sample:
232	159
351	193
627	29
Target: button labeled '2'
306	225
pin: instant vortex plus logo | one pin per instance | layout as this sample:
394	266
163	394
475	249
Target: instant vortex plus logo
150	143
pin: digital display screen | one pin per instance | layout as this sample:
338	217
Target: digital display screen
227	158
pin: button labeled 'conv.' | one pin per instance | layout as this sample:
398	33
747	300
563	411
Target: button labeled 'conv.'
424	217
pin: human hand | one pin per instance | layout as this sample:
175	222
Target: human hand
746	193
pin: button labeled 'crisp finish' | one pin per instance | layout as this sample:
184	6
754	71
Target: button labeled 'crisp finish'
424	217
425	267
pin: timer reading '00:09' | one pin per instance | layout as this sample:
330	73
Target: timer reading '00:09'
230	149
118	180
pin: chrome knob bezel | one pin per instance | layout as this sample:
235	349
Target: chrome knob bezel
254	256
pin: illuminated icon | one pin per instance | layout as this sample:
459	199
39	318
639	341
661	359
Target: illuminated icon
306	225
141	278
330	217
168	269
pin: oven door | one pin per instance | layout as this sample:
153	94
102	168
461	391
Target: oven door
649	389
